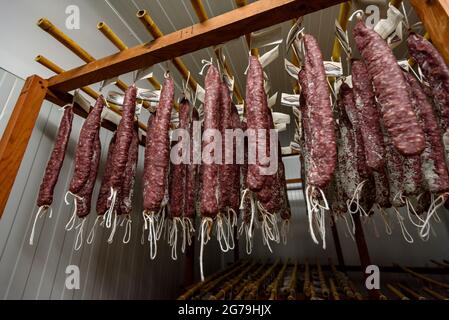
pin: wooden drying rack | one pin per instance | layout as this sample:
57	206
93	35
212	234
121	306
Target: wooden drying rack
209	32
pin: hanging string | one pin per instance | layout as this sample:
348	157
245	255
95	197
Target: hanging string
127	236
79	235
407	236
71	222
114	228
40	213
221	235
206	225
384	215
110	211
437	203
91	235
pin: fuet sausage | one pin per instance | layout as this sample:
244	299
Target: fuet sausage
129	175
436	73
125	133
433	164
234	199
391	91
210	177
85	147
105	187
85	195
54	164
226	171
191	185
157	152
257	119
323	152
368	116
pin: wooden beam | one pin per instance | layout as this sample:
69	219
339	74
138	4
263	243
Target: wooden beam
17	133
435	17
228	26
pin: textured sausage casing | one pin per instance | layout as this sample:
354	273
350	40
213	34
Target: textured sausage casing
323	152
267	192
395	171
412	176
191	185
353	116
347	151
105	187
54	165
382	188
125	134
85	147
257	118
433	162
234	199
157	151
368	116
436	72
210	178
226	172
391	91
129	175
178	171
84	204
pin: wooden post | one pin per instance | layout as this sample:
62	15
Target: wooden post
341	261
435	16
18	132
362	249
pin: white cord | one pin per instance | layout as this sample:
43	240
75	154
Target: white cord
127	236
90	237
79	235
206	225
40	213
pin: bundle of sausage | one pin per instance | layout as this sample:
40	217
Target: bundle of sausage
156	165
87	159
54	165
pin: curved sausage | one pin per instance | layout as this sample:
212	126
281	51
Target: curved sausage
84	204
210	178
436	72
85	147
257	118
129	175
54	164
390	89
105	187
157	151
433	163
323	151
125	133
368	116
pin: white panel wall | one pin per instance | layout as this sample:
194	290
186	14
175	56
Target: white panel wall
115	271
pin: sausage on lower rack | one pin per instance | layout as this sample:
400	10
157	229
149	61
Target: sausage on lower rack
390	89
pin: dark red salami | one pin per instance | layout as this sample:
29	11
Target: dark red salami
433	163
191	186
105	187
54	164
257	120
368	116
226	171
84	196
85	148
390	89
382	188
234	198
436	73
210	177
125	133
157	153
129	175
323	151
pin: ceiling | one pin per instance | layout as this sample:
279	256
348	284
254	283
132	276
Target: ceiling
26	40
